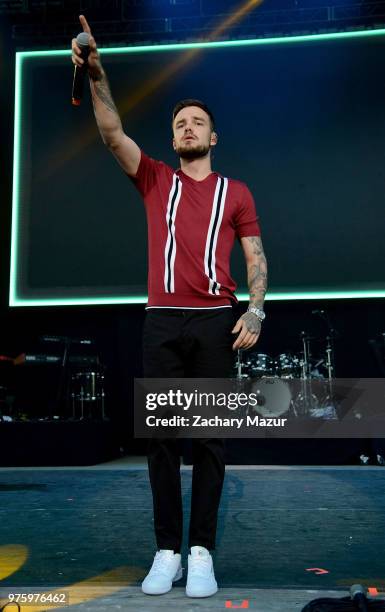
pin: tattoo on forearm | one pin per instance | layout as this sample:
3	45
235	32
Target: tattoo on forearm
257	273
256	243
102	91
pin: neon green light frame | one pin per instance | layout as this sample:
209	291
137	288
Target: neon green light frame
15	300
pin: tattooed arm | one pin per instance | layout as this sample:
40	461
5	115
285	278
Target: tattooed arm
107	117
249	325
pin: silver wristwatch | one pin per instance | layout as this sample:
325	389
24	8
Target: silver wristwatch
258	312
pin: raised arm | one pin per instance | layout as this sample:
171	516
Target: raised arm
249	324
107	117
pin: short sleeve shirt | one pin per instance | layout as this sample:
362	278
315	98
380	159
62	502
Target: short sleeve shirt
192	226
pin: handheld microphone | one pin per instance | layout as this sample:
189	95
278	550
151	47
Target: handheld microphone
358	595
82	41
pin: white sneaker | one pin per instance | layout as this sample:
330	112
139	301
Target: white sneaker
200	578
165	570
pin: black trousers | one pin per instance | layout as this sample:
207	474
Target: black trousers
187	343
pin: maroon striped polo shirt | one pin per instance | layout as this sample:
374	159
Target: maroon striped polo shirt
192	226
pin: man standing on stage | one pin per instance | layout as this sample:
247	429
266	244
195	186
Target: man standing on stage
193	215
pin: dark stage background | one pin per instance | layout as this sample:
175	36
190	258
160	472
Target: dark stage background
303	124
353	168
117	332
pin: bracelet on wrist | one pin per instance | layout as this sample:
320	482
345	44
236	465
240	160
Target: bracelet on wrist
258	312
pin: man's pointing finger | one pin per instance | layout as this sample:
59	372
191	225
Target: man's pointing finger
85	26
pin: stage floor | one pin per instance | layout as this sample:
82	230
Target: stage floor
285	534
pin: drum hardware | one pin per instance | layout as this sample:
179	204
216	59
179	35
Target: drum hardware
288	366
87	392
65	385
305	362
318	363
240	366
305	400
328	400
269	379
260	364
329	358
80	388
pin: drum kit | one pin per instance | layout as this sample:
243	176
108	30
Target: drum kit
81	379
291	385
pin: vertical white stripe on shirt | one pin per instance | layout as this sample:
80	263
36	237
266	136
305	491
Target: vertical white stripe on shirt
213	232
170	249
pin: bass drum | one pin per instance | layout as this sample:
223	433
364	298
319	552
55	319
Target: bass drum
274	397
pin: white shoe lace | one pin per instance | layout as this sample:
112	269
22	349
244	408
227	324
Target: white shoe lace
161	563
200	566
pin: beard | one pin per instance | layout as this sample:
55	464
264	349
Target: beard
192	152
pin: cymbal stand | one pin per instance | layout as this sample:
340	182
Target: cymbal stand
238	364
63	379
329	358
241	378
327	404
305	399
306	356
329	400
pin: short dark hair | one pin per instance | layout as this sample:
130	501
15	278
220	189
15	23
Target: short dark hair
192	102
